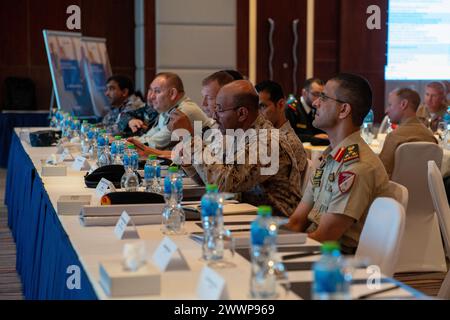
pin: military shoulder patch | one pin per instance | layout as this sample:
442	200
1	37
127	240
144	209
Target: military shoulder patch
346	180
351	154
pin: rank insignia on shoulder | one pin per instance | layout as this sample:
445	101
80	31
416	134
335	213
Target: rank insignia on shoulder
301	126
351	154
317	178
339	154
346	180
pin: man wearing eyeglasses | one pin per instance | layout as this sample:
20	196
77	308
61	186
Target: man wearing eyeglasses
301	115
237	108
350	176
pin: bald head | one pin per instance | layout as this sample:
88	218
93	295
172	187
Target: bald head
236	105
241	93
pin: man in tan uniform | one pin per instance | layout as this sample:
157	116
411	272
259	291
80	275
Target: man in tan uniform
350	176
435	106
271	105
402	106
237	108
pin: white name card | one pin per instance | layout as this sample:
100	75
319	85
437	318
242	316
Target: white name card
66	155
80	163
103	186
211	285
164	253
122	224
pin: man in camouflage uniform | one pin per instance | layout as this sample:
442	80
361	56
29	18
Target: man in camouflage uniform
120	91
350	176
271	105
237	108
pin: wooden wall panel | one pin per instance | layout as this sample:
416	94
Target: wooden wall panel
242	36
23	51
363	51
326	38
283	13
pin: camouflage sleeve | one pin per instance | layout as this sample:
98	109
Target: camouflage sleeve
235	177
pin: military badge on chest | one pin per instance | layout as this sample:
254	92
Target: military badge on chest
317	178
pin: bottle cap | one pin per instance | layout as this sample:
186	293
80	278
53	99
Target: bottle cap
103	131
264	211
173	169
85	121
131	146
330	246
211	188
117	137
152	157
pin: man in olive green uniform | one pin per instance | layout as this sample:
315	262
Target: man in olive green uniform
275	182
402	106
271	105
350	176
435	105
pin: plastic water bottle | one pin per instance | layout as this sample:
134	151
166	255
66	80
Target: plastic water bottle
86	143
212	221
129	181
263	255
84	129
329	278
152	175
117	150
103	155
93	150
447	133
75	126
367	127
173	216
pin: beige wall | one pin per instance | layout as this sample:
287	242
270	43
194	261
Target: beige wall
195	38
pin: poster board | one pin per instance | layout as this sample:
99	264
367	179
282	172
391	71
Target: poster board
97	69
79	67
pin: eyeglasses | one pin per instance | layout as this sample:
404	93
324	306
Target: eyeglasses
219	109
315	94
323	97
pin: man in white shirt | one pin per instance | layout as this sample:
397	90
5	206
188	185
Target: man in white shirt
167	94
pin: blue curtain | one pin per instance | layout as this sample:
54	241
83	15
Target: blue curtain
44	251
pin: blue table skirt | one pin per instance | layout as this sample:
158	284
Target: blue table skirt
44	251
10	120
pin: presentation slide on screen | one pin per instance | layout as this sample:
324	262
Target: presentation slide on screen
79	68
418	40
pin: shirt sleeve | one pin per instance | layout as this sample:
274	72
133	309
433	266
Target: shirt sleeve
308	197
354	202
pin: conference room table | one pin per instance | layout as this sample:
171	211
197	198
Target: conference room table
49	245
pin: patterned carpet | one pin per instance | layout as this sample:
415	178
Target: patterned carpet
11	287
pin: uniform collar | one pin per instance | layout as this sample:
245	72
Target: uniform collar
307	108
176	105
410	120
338	152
